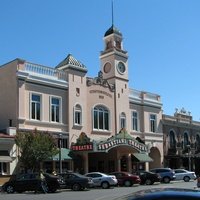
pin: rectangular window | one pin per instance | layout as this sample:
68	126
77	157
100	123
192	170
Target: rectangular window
135	121
152	123
55	109
35	107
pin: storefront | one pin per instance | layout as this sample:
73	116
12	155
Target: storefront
121	152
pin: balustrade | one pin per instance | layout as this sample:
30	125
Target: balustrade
45	71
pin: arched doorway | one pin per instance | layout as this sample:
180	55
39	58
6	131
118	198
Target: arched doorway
155	155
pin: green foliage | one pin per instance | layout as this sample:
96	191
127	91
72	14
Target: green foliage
35	147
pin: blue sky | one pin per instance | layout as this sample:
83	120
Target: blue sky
162	38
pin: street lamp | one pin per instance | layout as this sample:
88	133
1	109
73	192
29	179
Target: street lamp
60	154
189	158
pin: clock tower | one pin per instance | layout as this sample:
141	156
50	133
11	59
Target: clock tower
114	66
113	58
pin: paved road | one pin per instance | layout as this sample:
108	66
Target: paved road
93	194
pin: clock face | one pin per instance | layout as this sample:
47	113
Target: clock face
121	67
107	67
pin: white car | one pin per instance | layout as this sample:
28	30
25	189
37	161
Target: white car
102	180
182	174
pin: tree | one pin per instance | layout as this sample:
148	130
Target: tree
35	147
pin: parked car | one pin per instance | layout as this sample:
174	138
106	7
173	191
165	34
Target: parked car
102	180
53	182
126	179
167	174
148	178
30	182
76	181
182	174
163	194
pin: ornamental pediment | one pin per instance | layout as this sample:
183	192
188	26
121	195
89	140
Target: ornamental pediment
100	81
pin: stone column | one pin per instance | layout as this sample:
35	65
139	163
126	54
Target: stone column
85	162
118	164
118	161
146	166
129	167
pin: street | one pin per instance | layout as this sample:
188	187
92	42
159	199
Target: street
93	194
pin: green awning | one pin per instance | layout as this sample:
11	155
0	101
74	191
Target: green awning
64	155
141	157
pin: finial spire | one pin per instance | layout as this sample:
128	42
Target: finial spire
112	12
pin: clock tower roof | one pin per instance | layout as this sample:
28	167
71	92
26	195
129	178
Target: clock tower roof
112	30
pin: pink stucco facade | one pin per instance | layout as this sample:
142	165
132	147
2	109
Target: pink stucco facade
80	98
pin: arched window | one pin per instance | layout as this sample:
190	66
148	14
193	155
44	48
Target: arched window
172	141
100	118
123	120
77	115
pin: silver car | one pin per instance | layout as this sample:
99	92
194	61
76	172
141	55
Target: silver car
182	174
102	180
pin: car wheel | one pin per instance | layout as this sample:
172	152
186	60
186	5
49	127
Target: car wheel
76	187
166	179
148	182
127	183
105	185
10	189
186	178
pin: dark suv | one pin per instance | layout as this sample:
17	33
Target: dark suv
167	174
30	181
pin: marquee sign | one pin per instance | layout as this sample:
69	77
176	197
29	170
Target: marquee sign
116	142
86	147
82	143
122	138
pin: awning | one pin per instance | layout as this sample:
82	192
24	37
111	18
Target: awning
64	155
142	157
5	159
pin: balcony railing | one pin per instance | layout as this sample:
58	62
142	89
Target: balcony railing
44	71
144	95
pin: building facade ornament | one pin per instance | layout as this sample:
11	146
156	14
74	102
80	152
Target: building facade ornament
100	81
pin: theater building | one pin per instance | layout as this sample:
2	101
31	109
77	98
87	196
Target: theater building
181	141
106	125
